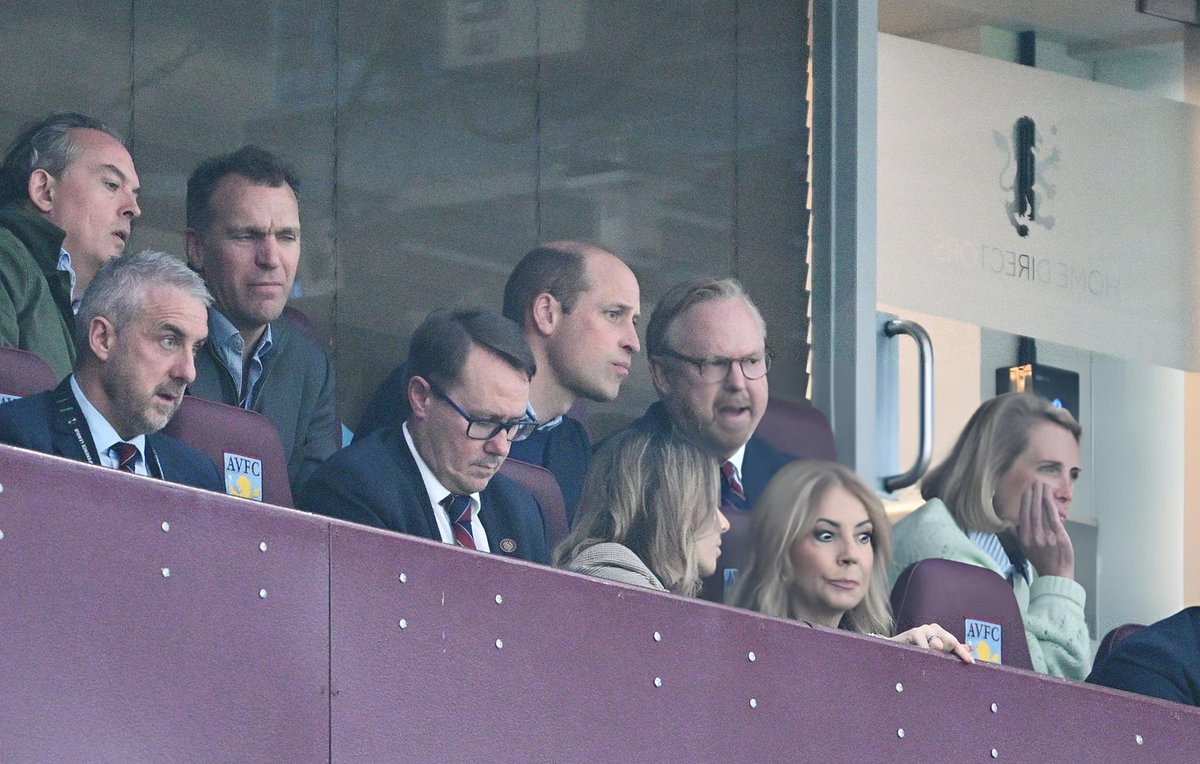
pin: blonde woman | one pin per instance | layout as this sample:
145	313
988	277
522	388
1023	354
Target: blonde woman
649	514
820	554
999	501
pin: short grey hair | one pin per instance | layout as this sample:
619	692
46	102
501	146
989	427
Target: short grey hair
681	297
48	144
119	290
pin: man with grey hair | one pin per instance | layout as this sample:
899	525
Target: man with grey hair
709	359
140	324
68	196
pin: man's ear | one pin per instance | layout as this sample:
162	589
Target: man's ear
660	377
419	394
41	190
195	255
102	336
547	311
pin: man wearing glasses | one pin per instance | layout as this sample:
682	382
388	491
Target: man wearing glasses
709	361
435	475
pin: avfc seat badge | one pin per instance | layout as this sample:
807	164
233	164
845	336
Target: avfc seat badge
508	546
243	476
985	640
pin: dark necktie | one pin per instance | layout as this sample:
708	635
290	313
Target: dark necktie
458	507
127	454
732	494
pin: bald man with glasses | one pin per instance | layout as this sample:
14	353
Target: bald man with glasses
435	475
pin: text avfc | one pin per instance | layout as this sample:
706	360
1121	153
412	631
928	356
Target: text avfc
1023	267
242	465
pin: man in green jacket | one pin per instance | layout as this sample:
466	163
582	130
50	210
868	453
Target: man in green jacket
68	196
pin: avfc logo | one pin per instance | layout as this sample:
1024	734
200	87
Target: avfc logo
985	640
1023	177
243	477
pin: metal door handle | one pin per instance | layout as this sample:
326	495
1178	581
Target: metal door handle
925	402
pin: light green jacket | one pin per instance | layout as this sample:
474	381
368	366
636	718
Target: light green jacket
1052	607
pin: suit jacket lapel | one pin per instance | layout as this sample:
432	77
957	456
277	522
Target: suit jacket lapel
153	465
500	535
72	436
411	474
491	521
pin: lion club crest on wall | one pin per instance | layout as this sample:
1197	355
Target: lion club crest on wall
1024	175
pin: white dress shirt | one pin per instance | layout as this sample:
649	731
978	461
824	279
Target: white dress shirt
438	492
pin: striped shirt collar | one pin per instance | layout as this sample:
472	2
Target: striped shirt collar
990	544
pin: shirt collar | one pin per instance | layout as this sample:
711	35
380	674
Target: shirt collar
990	544
229	340
229	343
736	459
547	426
64	265
433	486
103	435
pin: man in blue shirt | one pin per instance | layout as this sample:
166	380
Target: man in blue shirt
141	323
243	237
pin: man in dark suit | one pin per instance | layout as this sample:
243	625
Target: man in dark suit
578	305
709	360
435	475
140	324
1161	660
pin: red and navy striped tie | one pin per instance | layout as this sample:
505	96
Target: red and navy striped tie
732	494
458	507
127	454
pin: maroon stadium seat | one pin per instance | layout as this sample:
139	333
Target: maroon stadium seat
240	443
23	373
302	322
952	593
1114	638
797	429
540	482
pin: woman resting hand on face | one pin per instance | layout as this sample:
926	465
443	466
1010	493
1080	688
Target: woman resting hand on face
649	514
820	554
1000	501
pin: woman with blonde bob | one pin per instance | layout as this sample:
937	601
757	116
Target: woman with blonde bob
649	515
820	554
999	501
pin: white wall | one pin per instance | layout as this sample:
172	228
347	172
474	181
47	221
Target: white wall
1138	467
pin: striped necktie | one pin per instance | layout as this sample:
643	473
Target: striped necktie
458	508
126	454
732	494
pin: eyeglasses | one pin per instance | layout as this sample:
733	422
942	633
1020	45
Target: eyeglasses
713	370
486	429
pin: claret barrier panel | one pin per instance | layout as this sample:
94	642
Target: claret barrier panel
149	622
